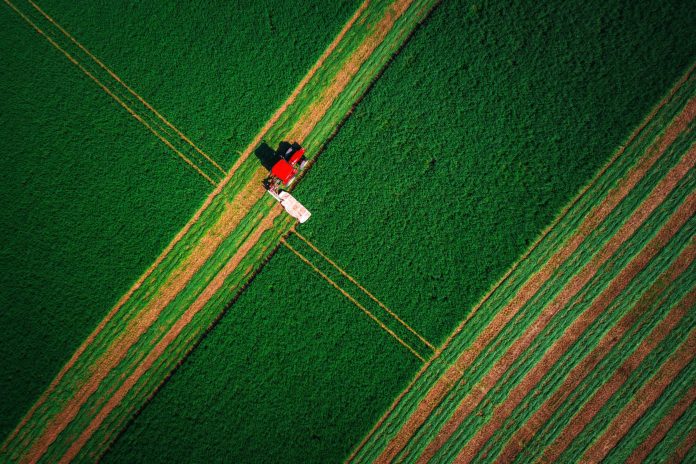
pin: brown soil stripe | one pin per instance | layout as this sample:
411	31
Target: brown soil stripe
264	130
590	362
209	244
585	415
683	448
642	401
645	448
535	282
171	335
317	110
578	327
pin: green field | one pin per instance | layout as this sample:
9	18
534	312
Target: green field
463	151
162	319
89	196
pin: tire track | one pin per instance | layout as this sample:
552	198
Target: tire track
590	362
578	327
187	227
442	386
230	217
161	346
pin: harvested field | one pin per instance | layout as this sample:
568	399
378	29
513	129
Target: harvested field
451	136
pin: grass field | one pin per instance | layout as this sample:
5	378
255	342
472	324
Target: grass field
506	189
81	185
286	387
459	156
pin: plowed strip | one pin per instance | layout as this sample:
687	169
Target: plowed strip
590	362
683	448
137	327
579	325
599	399
645	448
535	282
633	137
642	401
170	336
317	111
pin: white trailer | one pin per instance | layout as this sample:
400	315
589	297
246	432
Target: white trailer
293	207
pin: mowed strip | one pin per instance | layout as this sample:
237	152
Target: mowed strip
99	367
431	400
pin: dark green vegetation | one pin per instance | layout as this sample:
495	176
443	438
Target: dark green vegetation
89	196
488	122
278	381
484	127
216	69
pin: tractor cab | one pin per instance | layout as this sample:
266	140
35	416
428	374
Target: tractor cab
284	171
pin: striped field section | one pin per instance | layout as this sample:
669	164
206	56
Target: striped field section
584	350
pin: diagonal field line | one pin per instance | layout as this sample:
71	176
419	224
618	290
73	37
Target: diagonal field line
353	300
382	305
126	86
109	92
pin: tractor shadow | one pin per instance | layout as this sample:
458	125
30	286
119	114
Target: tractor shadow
268	156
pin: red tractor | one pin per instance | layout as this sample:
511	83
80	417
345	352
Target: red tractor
283	174
285	170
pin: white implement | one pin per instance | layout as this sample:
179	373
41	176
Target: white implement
292	206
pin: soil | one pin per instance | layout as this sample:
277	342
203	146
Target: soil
588	364
594	405
570	336
232	215
642	401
